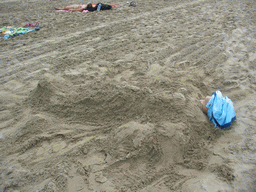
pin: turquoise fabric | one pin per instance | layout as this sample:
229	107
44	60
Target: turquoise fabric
5	37
220	110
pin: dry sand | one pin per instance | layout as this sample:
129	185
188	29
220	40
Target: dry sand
109	101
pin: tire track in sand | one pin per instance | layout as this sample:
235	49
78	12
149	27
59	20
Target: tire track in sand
58	45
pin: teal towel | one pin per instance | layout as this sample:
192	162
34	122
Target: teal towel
220	110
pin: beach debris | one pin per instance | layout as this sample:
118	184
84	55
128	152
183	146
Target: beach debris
131	4
37	26
29	25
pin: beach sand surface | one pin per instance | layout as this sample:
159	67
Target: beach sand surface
109	100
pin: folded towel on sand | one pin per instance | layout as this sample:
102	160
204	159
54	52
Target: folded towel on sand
220	110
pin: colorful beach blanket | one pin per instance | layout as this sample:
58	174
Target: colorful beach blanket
8	31
220	110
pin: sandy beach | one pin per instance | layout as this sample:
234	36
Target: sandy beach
109	101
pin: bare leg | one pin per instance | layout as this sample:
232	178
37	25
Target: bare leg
68	7
59	8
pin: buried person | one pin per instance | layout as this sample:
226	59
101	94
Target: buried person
82	7
219	109
204	103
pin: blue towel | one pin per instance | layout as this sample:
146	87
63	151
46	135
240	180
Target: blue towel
220	110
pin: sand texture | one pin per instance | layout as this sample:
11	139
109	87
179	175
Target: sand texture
109	100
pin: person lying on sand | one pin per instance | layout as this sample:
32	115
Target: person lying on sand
89	7
75	7
219	109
